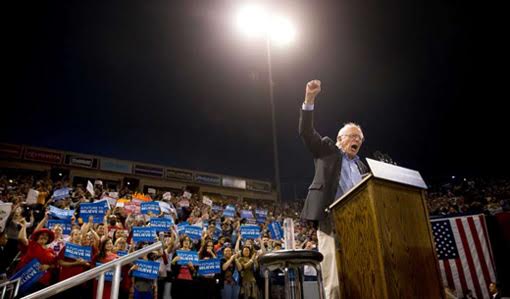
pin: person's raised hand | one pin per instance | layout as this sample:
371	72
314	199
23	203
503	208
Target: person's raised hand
312	90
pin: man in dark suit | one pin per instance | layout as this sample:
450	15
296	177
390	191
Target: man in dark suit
337	169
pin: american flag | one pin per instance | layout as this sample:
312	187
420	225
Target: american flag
464	253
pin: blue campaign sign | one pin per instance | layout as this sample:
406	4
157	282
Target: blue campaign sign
261	215
96	209
146	269
229	213
246	214
194	232
210	266
144	234
29	274
161	224
217	233
65	224
216	208
78	252
60	213
260	220
250	231
187	256
122	252
61	193
108	275
151	206
275	229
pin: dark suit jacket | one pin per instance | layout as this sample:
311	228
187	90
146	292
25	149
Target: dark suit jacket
327	158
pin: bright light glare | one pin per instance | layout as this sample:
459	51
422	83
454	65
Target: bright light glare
252	20
255	21
281	30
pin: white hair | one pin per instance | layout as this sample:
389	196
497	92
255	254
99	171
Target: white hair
341	132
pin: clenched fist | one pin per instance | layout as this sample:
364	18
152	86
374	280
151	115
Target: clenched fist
312	90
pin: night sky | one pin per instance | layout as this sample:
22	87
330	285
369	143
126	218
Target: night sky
175	83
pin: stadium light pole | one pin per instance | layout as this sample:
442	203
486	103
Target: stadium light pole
255	22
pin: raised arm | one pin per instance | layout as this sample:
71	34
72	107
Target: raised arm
311	138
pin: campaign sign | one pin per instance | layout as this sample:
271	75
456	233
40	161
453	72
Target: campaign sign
246	214
122	253
60	213
229	213
250	231
146	269
144	234
165	207
181	226
210	266
217	233
97	210
151	206
187	256
74	251
108	275
261	215
65	224
194	232
216	208
60	194
275	229
161	224
29	274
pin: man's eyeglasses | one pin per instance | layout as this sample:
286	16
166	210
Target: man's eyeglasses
354	136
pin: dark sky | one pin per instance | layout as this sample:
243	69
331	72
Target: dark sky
174	83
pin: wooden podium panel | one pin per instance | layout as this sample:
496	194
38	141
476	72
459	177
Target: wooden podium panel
385	243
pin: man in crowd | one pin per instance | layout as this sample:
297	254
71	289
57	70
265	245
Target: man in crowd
337	169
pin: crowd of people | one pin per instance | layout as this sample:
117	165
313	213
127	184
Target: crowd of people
26	235
470	196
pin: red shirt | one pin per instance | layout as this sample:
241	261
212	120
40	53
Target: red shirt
70	271
46	256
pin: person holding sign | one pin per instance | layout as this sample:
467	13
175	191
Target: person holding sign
37	249
208	280
337	169
143	284
183	286
105	255
70	267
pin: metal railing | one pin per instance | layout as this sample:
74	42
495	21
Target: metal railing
10	287
96	272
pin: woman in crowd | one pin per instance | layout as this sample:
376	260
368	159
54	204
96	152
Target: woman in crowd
183	286
105	255
246	265
209	287
70	267
36	248
59	242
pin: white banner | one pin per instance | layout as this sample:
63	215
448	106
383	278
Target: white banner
207	201
32	197
5	211
90	188
167	196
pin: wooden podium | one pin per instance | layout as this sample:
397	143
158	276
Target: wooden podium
385	245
